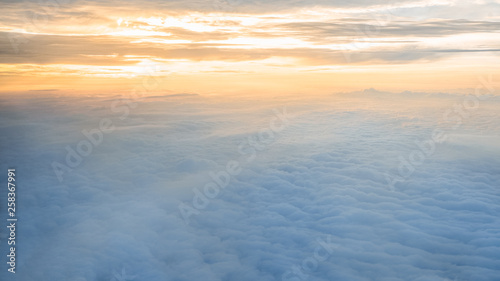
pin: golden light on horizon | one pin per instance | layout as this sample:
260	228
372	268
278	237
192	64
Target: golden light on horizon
116	44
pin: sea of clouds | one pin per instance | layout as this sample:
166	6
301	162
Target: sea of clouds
353	186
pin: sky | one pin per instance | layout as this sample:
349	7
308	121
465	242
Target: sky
215	47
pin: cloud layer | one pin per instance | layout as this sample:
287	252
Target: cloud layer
321	178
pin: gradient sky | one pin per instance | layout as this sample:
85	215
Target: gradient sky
229	46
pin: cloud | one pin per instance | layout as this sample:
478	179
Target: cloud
94	40
393	28
112	51
323	176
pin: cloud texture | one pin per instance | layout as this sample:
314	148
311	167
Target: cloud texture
319	179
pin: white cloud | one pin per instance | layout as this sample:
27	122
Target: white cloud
322	176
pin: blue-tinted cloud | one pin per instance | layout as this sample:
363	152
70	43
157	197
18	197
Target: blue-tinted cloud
323	176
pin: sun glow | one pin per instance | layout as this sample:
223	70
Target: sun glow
320	41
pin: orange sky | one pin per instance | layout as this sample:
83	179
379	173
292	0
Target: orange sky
231	47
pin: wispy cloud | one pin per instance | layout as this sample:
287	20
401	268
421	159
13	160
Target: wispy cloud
90	38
